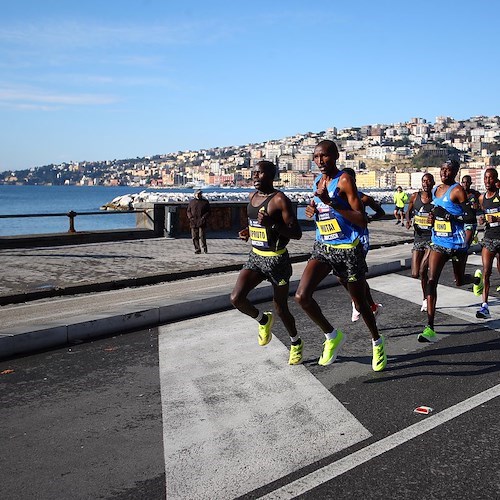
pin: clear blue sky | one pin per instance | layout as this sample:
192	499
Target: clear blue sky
105	79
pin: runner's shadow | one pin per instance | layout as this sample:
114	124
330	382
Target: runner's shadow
432	362
416	329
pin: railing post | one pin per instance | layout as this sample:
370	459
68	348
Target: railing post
71	216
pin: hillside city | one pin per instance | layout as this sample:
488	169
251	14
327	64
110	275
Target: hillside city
384	156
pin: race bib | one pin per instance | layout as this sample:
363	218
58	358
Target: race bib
421	220
442	228
492	217
258	234
327	227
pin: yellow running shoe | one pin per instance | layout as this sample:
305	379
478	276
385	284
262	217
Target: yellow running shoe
478	288
296	353
428	335
379	360
331	348
265	334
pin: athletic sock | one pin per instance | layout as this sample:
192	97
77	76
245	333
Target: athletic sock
378	341
331	335
295	340
260	317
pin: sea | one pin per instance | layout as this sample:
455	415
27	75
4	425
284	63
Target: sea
63	199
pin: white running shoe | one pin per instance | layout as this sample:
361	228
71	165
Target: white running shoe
377	310
355	313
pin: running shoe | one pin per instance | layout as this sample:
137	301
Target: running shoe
265	334
424	306
296	353
428	335
379	360
477	288
331	349
484	312
355	313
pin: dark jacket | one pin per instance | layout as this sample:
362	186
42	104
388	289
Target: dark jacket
198	211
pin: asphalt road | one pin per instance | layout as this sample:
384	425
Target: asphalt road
183	408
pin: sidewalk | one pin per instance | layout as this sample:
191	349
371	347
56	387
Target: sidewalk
36	273
87	291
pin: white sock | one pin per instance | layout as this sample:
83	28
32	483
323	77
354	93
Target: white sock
259	316
378	341
295	339
331	335
485	304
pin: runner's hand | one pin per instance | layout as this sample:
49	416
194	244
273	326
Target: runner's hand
264	218
311	209
244	234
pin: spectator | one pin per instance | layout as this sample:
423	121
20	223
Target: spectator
198	212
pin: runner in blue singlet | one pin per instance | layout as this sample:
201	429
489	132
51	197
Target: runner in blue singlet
448	241
340	221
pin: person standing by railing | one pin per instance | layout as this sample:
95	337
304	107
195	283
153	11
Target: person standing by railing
198	212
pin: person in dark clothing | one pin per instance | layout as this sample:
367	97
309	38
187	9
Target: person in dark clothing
198	212
272	222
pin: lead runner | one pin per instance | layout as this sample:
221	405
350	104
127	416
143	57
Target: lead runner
340	221
271	224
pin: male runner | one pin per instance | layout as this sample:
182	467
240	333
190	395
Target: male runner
271	224
490	203
448	241
340	221
419	208
473	202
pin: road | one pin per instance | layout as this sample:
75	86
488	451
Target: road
196	409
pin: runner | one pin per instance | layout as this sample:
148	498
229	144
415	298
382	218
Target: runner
271	224
340	221
448	238
490	203
473	202
419	208
379	212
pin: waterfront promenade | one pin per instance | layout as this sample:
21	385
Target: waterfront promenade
54	296
33	273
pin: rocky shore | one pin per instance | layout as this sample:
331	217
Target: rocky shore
302	197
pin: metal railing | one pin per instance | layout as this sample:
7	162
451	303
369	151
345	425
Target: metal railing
72	215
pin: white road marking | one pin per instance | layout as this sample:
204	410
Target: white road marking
335	469
454	301
236	416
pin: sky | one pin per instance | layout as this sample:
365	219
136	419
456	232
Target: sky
103	79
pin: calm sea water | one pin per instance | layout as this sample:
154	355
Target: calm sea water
62	199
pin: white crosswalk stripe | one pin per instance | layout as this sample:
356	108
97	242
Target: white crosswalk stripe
457	302
236	415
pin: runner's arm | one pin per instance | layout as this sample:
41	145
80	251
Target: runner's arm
287	225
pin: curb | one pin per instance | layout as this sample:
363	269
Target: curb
83	329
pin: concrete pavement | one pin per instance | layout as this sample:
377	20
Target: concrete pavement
35	273
181	285
66	295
